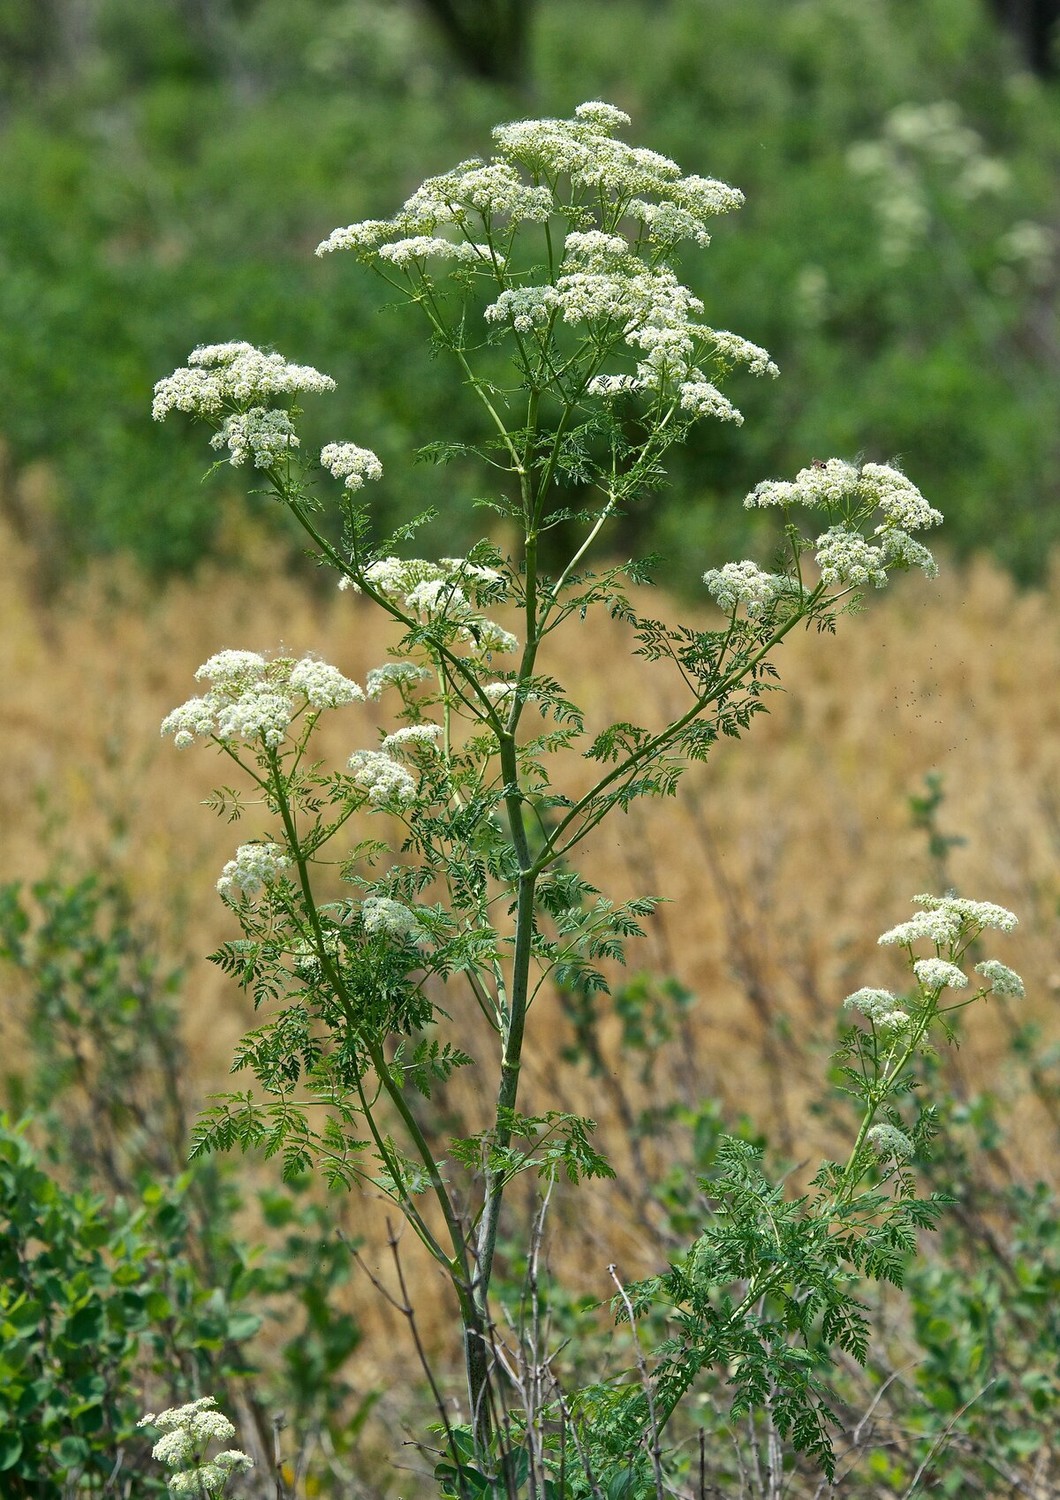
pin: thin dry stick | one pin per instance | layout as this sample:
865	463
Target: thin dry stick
940	1440
642	1367
408	1312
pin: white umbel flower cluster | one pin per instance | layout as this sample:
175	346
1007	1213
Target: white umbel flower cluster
950	923
253	701
351	464
889	1141
255	867
393	674
384	780
187	1432
618	286
936	973
413	736
441	593
744	583
263	435
846	559
423	246
390	919
1001	979
844	555
220	378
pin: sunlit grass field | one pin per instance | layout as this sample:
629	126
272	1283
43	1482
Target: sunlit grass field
781	860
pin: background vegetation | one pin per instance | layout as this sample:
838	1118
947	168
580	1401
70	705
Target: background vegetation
169	166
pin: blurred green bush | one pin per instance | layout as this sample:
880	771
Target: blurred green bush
169	168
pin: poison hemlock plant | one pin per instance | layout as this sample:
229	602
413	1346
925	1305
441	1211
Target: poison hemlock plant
545	276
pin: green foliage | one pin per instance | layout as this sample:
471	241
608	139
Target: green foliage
138	213
139	1280
96	1300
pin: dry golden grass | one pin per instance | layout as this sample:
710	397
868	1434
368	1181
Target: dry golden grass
783	860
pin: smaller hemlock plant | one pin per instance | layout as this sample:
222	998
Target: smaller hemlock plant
188	1432
545	275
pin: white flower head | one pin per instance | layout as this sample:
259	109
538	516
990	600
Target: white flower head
255	867
604	117
390	919
940	927
324	686
350	463
232	668
384	780
936	973
873	1003
421	246
705	400
744	583
220	377
902	504
847	560
1001	979
422	736
393	674
266	436
975	913
888	1141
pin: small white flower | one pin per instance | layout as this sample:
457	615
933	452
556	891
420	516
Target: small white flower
266	436
174	1448
254	867
324	686
902	503
348	462
391	674
421	246
604	117
413	734
391	919
230	668
232	375
901	551
1001	979
940	927
488	638
736	350
525	308
383	779
744	583
936	973
887	1141
191	719
976	913
257	713
872	1003
846	559
705	400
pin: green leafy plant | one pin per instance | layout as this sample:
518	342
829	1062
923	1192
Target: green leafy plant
544	275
